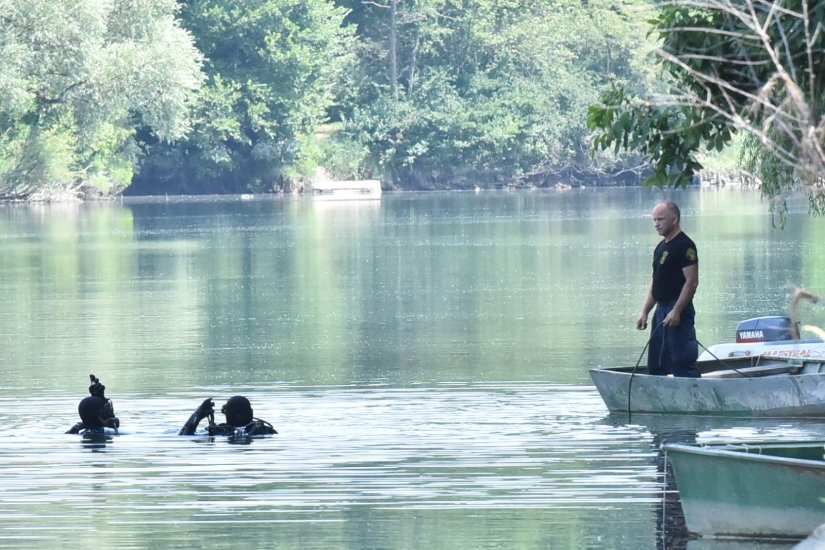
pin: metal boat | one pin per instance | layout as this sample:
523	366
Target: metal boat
744	386
750	490
766	372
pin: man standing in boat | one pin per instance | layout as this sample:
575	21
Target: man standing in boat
673	348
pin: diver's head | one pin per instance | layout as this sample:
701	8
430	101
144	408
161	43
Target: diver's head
93	411
238	411
96	389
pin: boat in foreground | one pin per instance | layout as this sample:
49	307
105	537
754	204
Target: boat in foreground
751	490
745	386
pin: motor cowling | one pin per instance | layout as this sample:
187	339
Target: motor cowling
764	329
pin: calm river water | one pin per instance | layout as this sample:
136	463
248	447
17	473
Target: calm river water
424	357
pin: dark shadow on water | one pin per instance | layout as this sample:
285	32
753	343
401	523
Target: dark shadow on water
233	439
95	442
671	532
240	439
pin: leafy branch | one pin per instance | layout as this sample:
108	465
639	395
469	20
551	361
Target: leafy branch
752	66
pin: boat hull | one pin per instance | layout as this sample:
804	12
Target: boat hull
797	395
735	493
346	190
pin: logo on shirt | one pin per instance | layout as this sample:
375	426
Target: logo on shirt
664	257
691	254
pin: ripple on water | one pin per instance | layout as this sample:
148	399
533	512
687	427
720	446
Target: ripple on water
485	446
458	449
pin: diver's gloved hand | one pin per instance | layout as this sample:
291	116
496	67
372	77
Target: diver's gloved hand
206	409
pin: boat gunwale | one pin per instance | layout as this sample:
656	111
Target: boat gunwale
726	451
705	378
634	371
620	370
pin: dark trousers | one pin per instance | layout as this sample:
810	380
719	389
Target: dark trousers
673	350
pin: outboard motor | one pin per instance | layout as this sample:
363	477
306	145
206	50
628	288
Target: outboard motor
764	329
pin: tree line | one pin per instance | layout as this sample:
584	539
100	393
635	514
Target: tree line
240	96
737	73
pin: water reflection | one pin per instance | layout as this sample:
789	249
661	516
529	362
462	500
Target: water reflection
95	442
374	458
425	360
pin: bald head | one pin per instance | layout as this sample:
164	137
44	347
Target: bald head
666	218
673	208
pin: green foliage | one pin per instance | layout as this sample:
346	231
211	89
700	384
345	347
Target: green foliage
337	156
728	160
44	161
345	159
670	137
110	160
272	66
487	91
77	77
732	67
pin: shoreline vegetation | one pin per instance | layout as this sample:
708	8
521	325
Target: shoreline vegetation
722	172
220	97
738	179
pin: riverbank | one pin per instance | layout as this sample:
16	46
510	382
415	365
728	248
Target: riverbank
561	180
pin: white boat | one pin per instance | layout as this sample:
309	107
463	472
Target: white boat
346	190
769	336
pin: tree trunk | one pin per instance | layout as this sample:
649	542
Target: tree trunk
411	77
393	49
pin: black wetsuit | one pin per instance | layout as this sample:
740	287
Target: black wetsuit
105	417
96	411
254	428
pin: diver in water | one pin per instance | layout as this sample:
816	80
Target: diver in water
96	411
239	419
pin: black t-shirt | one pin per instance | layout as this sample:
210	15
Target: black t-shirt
669	259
